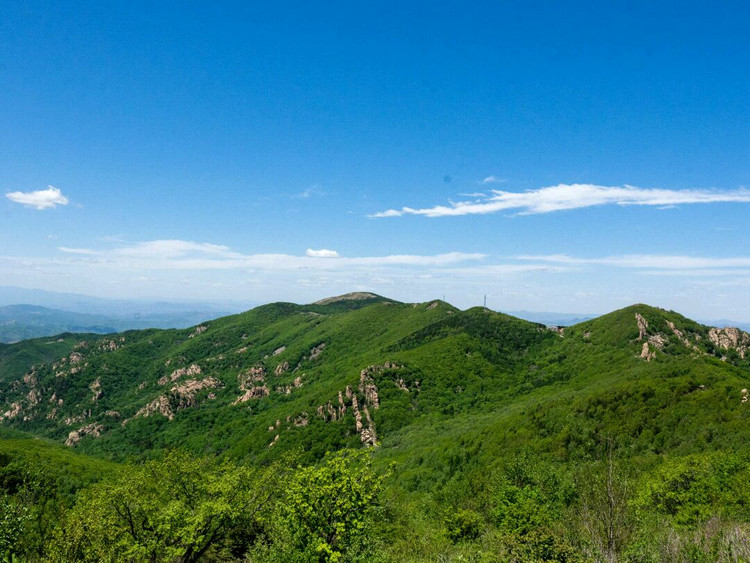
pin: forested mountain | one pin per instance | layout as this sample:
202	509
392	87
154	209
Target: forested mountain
471	434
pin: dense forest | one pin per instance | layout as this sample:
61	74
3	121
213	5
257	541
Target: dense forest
363	429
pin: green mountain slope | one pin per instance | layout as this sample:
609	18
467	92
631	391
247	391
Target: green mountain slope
474	407
299	369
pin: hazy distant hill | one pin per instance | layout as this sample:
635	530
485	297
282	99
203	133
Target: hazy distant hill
19	322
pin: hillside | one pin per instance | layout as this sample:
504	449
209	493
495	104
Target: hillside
451	396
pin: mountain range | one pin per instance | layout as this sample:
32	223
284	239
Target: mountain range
449	396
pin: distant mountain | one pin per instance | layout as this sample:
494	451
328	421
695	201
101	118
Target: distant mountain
77	303
551	319
19	322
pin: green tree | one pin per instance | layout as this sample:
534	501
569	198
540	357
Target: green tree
175	509
13	518
326	508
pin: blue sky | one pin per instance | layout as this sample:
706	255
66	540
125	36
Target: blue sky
573	157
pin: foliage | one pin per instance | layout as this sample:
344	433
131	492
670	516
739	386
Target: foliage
512	441
326	509
177	508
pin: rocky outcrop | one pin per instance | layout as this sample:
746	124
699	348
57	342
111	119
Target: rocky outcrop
657	340
647	354
198	330
14	410
94	429
185	393
255	374
360	403
160	405
281	369
190	371
743	395
642	326
96	390
278	350
252	384
317	351
30	378
180	396
257	392
110	345
730	339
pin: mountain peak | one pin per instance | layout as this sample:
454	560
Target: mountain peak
353	296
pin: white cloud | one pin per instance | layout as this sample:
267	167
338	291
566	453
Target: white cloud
572	196
688	265
322	253
39	199
492	180
187	255
312	191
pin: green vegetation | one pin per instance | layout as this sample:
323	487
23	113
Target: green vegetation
622	438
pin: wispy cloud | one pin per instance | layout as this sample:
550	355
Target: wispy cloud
39	199
313	191
571	196
188	255
322	253
688	265
492	180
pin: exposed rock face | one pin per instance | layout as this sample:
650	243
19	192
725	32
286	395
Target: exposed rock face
646	354
317	351
179	397
253	393
12	412
159	405
198	330
360	403
96	390
191	371
94	429
282	368
368	388
657	340
77	418
256	374
278	350
743	394
110	345
368	435
185	392
730	339
33	398
642	326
